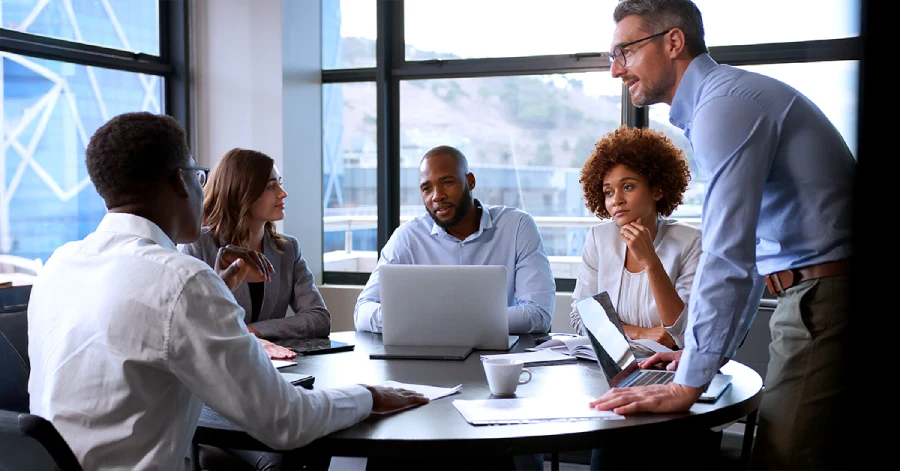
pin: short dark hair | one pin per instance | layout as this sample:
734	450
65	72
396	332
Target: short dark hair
449	151
645	151
129	155
659	15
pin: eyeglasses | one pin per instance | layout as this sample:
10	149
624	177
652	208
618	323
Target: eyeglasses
619	51
202	173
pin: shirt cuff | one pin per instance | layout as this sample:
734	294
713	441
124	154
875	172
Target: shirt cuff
357	397
696	369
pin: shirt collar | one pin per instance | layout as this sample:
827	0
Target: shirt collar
125	223
686	95
487	222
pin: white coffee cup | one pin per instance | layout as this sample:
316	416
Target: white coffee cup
504	375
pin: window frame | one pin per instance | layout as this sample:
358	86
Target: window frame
392	68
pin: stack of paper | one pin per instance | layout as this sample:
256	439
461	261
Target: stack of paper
536	358
530	410
283	363
431	392
580	347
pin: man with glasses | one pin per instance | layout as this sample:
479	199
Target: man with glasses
128	337
776	215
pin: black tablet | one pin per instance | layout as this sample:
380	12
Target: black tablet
410	352
315	346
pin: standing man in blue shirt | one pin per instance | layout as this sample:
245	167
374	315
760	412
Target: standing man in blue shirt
776	215
458	230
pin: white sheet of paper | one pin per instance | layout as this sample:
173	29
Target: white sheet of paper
431	392
535	357
530	410
655	346
283	363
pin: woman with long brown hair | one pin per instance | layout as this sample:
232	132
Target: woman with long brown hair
243	199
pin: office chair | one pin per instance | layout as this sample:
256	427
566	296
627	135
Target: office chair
30	442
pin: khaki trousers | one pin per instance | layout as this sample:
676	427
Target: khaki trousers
802	415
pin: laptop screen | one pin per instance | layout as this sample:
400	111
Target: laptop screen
601	323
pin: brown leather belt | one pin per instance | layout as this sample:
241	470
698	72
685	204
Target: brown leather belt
779	281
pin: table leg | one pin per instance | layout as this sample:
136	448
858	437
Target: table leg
554	461
747	444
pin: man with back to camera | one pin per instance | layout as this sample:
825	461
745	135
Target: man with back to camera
778	204
128	337
459	230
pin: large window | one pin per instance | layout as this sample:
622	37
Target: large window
66	67
523	88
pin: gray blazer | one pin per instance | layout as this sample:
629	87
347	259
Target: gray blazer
293	284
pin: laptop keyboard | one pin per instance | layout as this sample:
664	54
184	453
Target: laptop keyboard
650	377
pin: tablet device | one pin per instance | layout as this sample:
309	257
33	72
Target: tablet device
415	352
299	379
315	346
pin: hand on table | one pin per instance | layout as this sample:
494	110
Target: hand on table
386	400
276	352
670	397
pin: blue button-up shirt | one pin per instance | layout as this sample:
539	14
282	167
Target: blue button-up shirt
505	236
779	186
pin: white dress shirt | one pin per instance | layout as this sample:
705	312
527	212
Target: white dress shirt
603	269
128	338
505	236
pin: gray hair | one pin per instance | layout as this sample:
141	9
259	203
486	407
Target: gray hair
660	15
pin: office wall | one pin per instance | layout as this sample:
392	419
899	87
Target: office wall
256	84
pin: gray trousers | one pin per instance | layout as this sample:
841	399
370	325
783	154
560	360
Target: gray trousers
803	412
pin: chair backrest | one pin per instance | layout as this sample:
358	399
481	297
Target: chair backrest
14	348
31	442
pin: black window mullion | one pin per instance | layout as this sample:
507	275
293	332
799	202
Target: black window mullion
389	49
174	50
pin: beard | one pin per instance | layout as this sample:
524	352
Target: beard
653	93
463	206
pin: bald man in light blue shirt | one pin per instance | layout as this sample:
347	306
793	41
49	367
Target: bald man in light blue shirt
459	230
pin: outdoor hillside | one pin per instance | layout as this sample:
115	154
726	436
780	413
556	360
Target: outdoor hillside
497	120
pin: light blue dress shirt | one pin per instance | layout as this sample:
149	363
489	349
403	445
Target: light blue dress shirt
505	236
779	187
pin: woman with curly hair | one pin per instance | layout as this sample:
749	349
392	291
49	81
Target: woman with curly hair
646	262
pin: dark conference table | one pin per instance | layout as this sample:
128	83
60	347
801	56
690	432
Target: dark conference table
438	429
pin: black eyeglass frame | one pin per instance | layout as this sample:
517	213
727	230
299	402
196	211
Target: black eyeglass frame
619	51
201	180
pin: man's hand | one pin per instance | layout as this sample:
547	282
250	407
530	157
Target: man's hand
276	352
234	264
385	400
670	397
659	359
656	334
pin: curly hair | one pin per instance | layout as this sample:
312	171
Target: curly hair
128	156
644	151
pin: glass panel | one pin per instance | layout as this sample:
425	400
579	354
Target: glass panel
505	28
50	110
773	21
830	85
349	185
131	25
349	29
526	139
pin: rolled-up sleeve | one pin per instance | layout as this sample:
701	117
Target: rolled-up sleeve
210	350
535	287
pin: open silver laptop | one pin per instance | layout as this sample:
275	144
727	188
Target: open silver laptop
445	305
616	355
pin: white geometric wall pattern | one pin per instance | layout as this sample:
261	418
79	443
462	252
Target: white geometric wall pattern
24	121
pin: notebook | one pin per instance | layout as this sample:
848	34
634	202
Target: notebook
615	353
